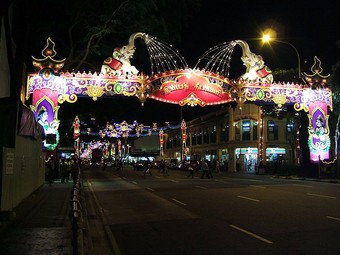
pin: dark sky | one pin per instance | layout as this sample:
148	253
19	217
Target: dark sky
312	27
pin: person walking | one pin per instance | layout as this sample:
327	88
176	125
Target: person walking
217	167
210	170
164	167
191	171
147	168
74	170
50	169
205	169
63	170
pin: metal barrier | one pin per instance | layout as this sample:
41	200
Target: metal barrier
77	219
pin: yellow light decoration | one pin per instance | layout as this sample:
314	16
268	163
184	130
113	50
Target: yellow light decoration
94	92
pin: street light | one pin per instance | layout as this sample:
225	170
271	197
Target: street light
266	38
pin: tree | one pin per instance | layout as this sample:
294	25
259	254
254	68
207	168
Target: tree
86	32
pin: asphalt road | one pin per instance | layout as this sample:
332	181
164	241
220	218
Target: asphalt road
230	214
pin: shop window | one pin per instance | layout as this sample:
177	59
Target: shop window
272	130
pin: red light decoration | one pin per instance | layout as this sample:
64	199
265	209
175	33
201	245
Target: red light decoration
191	87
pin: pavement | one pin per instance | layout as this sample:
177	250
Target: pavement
42	223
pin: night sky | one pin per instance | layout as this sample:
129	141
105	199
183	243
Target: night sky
312	27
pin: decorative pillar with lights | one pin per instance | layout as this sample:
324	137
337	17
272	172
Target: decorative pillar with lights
161	143
184	139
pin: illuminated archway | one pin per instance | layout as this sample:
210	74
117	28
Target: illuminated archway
172	81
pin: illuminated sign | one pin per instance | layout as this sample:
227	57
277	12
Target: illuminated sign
191	87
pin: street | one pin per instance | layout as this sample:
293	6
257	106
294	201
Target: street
232	213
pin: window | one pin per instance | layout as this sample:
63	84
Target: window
246	130
237	131
224	132
194	138
213	134
169	143
255	137
272	130
206	136
199	137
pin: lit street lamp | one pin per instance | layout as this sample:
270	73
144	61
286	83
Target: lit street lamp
266	38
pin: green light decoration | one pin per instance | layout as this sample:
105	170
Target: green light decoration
118	88
260	94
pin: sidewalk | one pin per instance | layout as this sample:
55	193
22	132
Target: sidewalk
42	224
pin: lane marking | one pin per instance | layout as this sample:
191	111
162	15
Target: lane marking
332	218
157	177
242	179
319	195
134	182
174	181
248	198
150	189
301	185
258	186
201	187
251	234
177	201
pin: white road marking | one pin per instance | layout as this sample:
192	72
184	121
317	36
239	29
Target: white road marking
258	186
178	201
174	181
333	218
134	182
157	177
301	185
251	234
319	195
242	179
200	187
150	189
248	198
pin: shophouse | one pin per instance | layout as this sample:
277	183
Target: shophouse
238	138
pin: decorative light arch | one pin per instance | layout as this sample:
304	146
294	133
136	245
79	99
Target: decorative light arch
172	81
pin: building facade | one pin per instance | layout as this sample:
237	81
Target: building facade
239	138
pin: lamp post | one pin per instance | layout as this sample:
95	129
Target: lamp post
268	38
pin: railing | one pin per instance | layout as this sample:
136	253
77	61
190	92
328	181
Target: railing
77	217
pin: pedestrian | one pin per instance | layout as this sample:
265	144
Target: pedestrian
210	170
217	169
163	166
205	169
68	164
120	164
63	170
191	172
50	169
147	168
74	170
